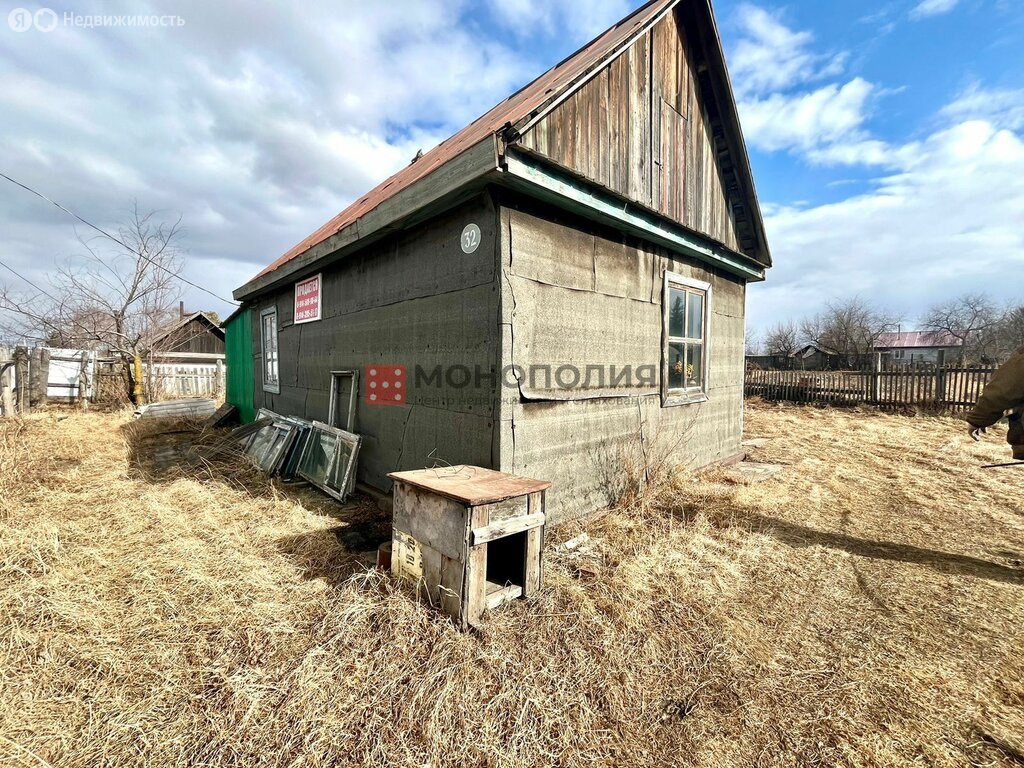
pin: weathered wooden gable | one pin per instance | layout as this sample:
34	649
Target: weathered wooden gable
643	127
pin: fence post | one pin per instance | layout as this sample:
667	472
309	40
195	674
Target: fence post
220	378
876	378
83	382
38	375
940	386
21	377
6	371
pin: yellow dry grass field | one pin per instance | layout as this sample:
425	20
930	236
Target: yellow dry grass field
863	608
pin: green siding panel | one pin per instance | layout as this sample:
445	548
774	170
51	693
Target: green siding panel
241	384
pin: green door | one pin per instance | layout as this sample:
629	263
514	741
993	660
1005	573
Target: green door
241	384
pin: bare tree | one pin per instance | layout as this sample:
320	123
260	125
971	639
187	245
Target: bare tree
107	298
1010	332
752	342
972	319
782	339
851	328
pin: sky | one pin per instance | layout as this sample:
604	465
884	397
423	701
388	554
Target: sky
886	137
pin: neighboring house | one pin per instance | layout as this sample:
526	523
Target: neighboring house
814	357
768	362
194	337
555	289
906	347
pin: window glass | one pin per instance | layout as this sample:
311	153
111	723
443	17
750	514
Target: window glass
270	350
694	365
319	462
685	361
695	316
676	365
676	312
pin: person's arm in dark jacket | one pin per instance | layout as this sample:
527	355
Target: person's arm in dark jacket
1004	392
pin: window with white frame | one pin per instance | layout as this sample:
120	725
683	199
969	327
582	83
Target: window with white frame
271	357
684	374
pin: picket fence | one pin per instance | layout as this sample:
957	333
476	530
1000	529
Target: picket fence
171	380
947	388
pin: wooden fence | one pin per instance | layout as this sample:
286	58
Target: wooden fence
167	381
947	388
162	381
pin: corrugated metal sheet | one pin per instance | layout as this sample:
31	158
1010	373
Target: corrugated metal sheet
917	340
520	105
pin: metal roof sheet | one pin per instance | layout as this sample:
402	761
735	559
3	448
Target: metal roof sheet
917	339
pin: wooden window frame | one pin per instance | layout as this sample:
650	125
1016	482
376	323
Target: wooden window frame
691	395
273	387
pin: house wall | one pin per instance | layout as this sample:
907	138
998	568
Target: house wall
577	295
642	128
196	336
932	355
414	299
239	385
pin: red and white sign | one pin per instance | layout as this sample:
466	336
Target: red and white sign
307	300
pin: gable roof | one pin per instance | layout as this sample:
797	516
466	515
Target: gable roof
809	349
541	95
183	322
917	340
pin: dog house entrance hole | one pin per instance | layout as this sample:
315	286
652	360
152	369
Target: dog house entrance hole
506	566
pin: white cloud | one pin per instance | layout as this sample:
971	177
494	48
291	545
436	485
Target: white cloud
1001	106
256	130
807	120
769	56
928	8
527	18
782	107
945	222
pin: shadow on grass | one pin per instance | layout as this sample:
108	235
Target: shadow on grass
325	555
165	450
796	535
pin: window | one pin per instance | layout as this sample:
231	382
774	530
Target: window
684	372
329	460
271	358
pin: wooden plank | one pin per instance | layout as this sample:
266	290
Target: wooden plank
433	520
604	145
500	530
506	510
534	577
430	584
499	594
474	587
639	121
450	592
471	486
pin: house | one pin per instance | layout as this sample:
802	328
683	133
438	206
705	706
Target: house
919	347
195	336
814	357
557	286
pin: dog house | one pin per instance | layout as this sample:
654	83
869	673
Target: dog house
469	537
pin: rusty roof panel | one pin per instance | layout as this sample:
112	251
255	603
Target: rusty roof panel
516	107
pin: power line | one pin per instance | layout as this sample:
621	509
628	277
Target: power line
115	239
25	279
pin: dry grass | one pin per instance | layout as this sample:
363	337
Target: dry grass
862	609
